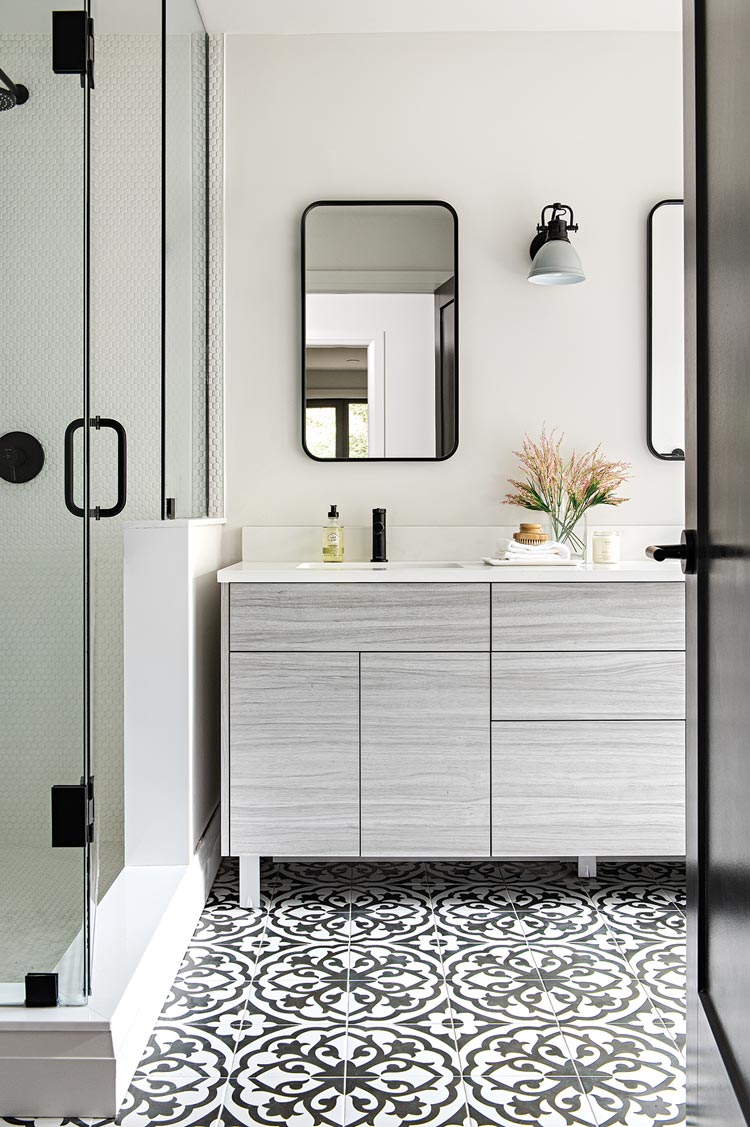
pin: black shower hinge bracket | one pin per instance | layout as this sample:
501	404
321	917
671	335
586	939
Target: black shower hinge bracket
41	990
73	45
72	814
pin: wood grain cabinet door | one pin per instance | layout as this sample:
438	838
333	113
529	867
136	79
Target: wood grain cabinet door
588	686
611	788
588	616
360	616
425	755
294	776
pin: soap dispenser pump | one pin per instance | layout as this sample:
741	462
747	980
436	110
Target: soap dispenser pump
333	538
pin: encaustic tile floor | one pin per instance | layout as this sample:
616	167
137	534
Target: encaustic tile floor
375	995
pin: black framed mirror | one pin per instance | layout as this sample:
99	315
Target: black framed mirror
665	391
379	330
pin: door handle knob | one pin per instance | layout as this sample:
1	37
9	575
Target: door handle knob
661	552
684	551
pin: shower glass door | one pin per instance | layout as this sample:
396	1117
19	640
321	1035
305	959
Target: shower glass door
44	707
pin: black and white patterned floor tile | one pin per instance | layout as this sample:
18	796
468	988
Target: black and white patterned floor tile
382	994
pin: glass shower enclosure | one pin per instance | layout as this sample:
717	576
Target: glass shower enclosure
47	865
105	336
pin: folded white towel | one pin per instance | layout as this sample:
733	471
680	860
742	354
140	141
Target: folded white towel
512	550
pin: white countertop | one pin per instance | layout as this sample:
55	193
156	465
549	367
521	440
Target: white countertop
472	571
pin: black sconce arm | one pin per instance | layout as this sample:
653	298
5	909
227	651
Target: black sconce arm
557	210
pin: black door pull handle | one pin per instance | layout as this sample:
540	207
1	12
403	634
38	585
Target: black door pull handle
98	511
684	551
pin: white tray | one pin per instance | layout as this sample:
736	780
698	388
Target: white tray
530	563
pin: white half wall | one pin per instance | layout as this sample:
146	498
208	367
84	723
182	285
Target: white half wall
498	124
172	727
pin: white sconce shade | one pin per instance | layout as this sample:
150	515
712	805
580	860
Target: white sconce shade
556	263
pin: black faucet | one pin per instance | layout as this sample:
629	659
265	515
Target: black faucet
378	537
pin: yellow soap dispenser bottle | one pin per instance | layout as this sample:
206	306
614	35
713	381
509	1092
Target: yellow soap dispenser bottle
333	538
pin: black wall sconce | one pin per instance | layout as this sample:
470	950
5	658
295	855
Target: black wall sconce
554	261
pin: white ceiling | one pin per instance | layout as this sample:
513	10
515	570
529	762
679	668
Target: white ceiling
330	17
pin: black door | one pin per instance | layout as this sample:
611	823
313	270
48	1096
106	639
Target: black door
717	45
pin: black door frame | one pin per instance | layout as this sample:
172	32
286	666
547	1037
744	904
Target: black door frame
716	1094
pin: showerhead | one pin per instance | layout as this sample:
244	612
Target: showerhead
11	94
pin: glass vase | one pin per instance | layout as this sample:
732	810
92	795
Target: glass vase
572	535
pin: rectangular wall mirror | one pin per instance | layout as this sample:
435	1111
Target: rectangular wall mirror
379	330
666	331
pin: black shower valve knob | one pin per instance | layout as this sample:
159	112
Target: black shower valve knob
21	457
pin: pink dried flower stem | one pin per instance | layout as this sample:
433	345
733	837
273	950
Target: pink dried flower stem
566	490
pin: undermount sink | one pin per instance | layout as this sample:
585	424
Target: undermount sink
397	565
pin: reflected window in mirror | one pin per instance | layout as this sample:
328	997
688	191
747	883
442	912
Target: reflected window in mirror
379	316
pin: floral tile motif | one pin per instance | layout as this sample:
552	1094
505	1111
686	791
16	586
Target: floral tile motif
662	873
389	1050
602	997
535	1100
270	1098
287	1049
477	981
555	873
391	983
630	1078
230	925
337	874
211	982
489	926
210	1047
574	921
641	922
401	1074
389	874
444	874
514	1048
303	985
174	1091
547	898
375	994
661	967
484	900
563	958
308	922
312	899
614	897
442	1105
394	920
391	906
514	955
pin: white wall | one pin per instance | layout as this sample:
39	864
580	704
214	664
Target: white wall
498	124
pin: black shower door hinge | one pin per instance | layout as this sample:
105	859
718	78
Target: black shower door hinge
72	814
73	45
41	989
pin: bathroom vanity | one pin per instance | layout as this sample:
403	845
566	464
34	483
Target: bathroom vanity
423	710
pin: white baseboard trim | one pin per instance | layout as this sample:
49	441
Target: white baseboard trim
77	1062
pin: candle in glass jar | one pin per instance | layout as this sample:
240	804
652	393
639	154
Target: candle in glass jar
606	546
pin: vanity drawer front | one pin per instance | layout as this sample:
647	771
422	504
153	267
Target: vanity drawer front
592	789
588	686
588	616
294	776
359	616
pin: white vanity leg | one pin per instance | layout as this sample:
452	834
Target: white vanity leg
587	866
249	881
